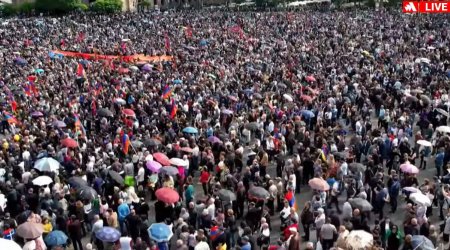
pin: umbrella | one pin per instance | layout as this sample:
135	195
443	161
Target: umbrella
443	129
214	139
46	164
160	232
310	79
59	124
226	195
42	181
152	142
147	67
190	130
162	158
30	230
77	182
288	98
186	149
172	171
282	85
86	193
104	112
251	126
178	162
153	166
120	101
257	96
108	234
409	168
128	112
202	246
420	199
134	68
420	242
69	143
227	112
361	204
443	112
411	189
56	238
137	144
37	114
357	167
319	184
167	195
258	193
308	114
424	143
9	244
358	240
116	176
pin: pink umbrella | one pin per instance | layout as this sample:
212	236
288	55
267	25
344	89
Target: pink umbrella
162	158
409	168
153	166
319	184
128	112
69	142
310	79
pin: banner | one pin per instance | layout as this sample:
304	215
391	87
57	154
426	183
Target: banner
132	58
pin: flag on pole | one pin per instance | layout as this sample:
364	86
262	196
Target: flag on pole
166	41
125	143
173	110
80	71
10	118
167	92
79	126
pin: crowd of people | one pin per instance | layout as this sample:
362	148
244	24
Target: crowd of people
208	148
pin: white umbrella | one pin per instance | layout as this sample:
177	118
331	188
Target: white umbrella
358	240
424	143
149	157
411	189
47	164
443	112
288	98
120	101
178	162
9	244
443	129
42	181
201	246
420	199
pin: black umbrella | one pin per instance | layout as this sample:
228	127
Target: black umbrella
226	195
251	126
116	176
77	182
357	167
137	144
152	142
104	112
86	193
361	204
258	193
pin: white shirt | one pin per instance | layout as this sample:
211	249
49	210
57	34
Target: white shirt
344	168
125	243
141	174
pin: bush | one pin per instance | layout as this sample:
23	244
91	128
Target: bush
25	8
107	6
59	6
7	10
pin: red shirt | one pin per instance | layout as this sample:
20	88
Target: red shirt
204	177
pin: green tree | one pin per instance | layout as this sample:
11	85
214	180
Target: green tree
7	10
59	6
107	6
25	8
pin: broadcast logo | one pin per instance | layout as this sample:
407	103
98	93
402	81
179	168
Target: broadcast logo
412	7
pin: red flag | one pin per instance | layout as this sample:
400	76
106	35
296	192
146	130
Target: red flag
173	110
13	106
80	71
166	41
94	107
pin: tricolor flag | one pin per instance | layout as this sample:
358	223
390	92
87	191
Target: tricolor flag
167	92
79	126
10	118
80	71
290	197
125	143
9	233
173	110
214	233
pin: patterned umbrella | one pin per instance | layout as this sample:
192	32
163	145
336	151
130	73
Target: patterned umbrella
108	234
160	232
56	238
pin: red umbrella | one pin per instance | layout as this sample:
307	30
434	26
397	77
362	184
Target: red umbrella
162	158
310	79
69	142
124	70
128	112
167	195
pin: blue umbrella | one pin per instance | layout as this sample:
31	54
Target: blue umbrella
203	42
177	81
190	130
56	238
308	114
20	61
420	242
39	71
160	232
108	234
